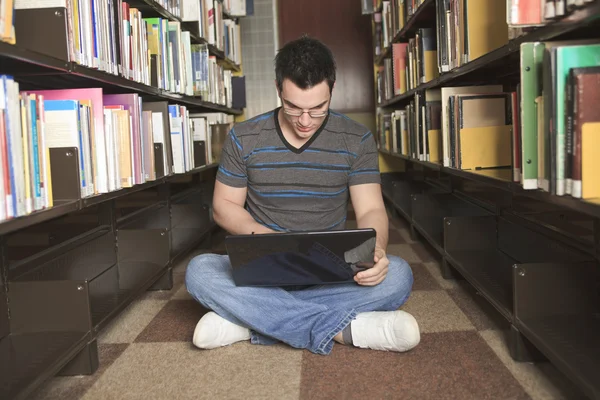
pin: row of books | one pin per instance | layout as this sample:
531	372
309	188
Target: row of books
472	128
547	130
120	141
530	13
172	6
410	65
393	17
409	7
118	39
465	31
468	30
560	92
222	33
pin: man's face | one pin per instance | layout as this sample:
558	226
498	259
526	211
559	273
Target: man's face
314	100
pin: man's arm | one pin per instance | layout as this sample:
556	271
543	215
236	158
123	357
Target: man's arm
367	202
229	196
229	212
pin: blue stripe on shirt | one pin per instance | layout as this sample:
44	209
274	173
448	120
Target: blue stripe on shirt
229	173
235	139
298	193
301	165
286	150
364	171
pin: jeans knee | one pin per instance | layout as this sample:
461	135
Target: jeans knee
399	280
400	272
203	273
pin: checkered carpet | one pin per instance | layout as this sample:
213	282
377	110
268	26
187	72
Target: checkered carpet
147	353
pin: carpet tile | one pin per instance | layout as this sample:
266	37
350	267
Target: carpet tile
148	371
449	365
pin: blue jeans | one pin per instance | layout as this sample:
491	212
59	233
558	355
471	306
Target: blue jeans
306	319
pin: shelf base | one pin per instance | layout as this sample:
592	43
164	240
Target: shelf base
84	363
521	349
29	359
571	342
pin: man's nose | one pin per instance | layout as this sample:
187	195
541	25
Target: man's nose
305	119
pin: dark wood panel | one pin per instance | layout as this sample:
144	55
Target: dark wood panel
340	25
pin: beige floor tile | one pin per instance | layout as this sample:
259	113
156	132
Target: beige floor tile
406	235
178	280
435	311
541	381
181	371
435	269
405	252
182	294
128	325
74	387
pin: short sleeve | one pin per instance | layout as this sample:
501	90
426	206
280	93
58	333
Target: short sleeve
365	168
232	168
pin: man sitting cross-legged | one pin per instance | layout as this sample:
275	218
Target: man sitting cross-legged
294	169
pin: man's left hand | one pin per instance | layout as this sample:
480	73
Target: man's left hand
375	275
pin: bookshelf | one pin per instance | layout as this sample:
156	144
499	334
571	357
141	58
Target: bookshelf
74	258
533	253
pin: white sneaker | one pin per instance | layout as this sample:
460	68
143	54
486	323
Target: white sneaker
214	331
385	330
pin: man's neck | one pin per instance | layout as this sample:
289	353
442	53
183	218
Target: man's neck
288	131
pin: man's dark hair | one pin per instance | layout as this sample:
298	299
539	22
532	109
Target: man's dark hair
306	62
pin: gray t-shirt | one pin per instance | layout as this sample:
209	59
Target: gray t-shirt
299	189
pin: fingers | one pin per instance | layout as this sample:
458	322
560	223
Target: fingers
376	280
375	275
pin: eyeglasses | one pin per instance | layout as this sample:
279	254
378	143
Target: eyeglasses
298	113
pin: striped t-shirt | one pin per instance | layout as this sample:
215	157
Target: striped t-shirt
299	189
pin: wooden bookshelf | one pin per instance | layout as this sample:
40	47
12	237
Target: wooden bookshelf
580	19
37	69
518	248
129	238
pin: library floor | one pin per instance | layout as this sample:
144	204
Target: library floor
147	353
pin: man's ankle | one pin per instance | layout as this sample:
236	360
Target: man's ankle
345	336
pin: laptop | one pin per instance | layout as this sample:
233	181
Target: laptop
300	258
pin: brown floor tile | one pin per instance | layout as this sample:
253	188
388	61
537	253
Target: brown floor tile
541	380
175	322
395	237
481	313
163	371
74	387
457	365
423	279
